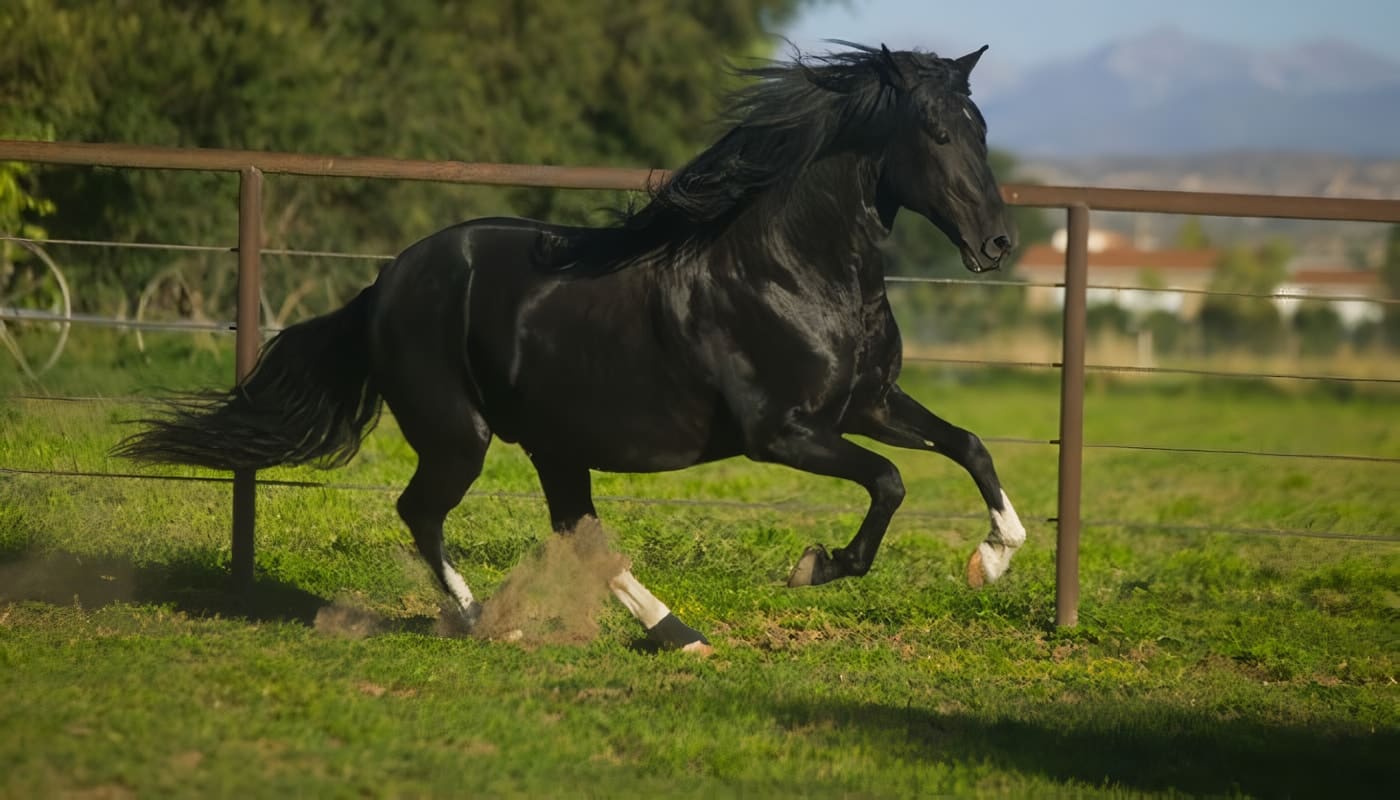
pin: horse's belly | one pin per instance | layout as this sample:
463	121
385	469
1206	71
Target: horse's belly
614	431
624	409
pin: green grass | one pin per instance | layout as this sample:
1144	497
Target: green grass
1206	663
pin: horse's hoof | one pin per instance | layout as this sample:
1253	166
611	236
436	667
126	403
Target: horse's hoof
471	615
700	649
810	568
976	575
456	620
672	634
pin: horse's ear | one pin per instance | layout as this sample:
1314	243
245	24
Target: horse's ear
895	73
967	62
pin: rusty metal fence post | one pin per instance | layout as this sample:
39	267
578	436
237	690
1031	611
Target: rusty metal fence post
1072	417
249	340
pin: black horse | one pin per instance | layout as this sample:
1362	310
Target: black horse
742	311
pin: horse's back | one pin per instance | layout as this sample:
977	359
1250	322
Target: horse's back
579	368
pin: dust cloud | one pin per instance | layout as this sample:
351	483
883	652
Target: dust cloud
556	593
349	622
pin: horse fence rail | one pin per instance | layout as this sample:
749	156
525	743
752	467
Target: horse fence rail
1078	202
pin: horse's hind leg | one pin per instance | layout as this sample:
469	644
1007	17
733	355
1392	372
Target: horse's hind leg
450	438
569	492
436	488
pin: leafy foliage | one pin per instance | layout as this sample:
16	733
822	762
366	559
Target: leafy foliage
544	82
549	81
1390	277
21	206
1230	321
1192	235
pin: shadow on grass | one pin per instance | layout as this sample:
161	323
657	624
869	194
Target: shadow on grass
1133	745
193	586
199	587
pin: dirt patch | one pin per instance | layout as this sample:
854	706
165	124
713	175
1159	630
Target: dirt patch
111	791
376	690
67	580
341	619
555	594
186	762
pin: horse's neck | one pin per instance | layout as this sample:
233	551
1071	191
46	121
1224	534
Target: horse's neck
826	219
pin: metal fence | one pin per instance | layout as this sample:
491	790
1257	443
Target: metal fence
1076	201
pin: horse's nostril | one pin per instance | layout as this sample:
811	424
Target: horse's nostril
996	247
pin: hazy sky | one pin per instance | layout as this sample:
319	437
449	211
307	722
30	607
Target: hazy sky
1029	31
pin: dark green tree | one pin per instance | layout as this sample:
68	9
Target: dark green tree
1235	321
1390	279
1192	235
1319	327
629	82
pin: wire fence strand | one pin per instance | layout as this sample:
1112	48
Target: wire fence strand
1198	528
752	505
992	439
1130	368
994	282
13	314
892	279
790	506
198	248
1208	451
1216	373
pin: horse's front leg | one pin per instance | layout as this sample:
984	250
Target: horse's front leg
823	452
902	422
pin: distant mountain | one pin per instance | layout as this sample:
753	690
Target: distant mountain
1165	93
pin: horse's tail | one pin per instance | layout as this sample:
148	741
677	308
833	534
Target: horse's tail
309	399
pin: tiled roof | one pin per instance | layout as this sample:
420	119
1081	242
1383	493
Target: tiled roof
1336	277
1044	256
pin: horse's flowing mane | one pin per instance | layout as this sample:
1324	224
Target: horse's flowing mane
789	115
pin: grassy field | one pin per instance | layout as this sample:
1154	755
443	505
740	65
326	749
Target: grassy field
1206	663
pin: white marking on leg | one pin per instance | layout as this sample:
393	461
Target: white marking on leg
457	587
1007	536
641	602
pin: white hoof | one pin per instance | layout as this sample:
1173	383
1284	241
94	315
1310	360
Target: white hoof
699	649
976	575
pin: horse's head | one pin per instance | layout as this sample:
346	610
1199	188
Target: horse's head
936	160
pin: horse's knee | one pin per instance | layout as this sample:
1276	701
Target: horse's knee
887	491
